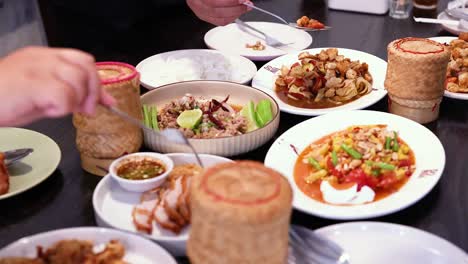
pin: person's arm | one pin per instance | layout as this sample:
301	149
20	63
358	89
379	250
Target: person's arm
38	82
218	12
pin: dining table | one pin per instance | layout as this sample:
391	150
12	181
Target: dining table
65	199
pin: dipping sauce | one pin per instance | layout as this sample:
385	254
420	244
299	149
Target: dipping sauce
141	169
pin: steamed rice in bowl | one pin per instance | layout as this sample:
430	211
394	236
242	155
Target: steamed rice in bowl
189	65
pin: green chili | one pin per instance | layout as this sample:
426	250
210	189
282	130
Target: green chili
334	158
388	141
351	151
314	163
382	165
396	146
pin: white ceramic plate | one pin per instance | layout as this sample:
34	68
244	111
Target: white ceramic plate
450	28
460	96
266	77
422	141
164	68
137	249
113	206
392	244
233	38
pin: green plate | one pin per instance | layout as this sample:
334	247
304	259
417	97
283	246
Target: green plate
34	168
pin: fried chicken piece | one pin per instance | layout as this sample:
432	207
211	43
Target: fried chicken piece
4	177
21	261
67	252
113	254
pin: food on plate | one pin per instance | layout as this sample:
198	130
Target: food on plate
104	137
167	205
191	65
140	169
257	46
74	252
200	118
4	177
304	21
457	71
415	77
240	214
323	80
360	164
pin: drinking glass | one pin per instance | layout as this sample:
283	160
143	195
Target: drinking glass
400	9
425	8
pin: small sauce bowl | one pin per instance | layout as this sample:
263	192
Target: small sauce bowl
141	185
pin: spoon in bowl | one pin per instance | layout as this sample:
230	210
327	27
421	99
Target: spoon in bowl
294	25
15	155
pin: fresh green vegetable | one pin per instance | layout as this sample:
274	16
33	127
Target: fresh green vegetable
248	111
351	151
382	165
388	141
334	158
396	146
190	118
375	173
263	112
154	118
314	163
146	116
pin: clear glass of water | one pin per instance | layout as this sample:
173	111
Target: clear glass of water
400	9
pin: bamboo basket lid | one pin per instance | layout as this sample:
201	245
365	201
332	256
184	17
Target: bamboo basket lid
240	214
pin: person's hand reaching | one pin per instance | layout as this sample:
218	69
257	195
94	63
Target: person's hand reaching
37	82
218	12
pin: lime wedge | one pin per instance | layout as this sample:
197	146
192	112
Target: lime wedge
190	118
263	112
248	111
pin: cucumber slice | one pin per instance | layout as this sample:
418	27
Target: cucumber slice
263	112
190	118
248	111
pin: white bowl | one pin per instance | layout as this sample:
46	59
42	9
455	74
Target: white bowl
225	146
141	185
113	206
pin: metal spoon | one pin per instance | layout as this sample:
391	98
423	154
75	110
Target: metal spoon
171	134
15	155
294	25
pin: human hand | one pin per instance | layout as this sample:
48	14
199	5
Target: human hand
218	12
37	82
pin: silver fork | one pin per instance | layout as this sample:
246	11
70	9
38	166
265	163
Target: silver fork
294	25
270	41
308	247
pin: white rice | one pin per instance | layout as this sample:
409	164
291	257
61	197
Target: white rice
188	67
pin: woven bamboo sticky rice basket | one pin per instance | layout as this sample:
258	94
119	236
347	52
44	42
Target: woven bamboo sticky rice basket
415	78
105	136
240	214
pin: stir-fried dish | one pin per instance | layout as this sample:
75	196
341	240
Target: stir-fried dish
74	252
323	80
307	22
202	118
366	156
457	71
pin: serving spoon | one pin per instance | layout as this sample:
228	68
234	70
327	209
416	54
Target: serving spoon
15	155
294	25
171	134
